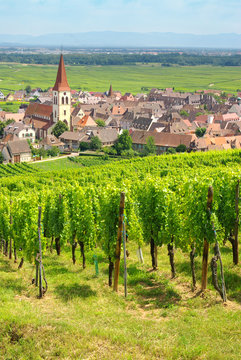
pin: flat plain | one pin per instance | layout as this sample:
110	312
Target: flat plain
132	78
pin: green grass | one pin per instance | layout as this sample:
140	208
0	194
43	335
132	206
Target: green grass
11	106
130	78
58	164
81	318
76	163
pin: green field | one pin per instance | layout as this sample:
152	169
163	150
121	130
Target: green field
76	163
11	106
124	78
58	164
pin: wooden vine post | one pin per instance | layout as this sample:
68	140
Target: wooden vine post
10	241
57	239
206	245
236	226
40	253
119	241
124	249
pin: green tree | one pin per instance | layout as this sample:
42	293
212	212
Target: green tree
59	128
184	113
171	150
54	151
181	148
84	146
95	143
128	153
42	152
2	126
100	123
9	121
1	158
200	131
28	89
150	147
124	142
109	150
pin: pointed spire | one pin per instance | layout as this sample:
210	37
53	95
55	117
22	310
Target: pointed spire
110	93
61	83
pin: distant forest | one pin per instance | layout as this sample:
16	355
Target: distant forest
124	59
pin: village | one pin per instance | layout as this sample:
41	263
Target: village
63	120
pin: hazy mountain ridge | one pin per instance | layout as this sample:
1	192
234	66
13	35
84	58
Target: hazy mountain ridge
124	39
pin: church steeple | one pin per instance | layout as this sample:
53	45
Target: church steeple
61	83
110	93
62	96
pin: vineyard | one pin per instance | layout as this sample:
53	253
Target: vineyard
174	206
16	169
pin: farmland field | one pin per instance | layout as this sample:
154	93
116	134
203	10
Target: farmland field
132	78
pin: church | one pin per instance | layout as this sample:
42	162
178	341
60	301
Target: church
43	117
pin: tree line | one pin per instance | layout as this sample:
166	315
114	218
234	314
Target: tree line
125	59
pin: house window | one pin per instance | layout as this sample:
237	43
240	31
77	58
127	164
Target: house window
67	100
65	93
62	100
64	112
55	114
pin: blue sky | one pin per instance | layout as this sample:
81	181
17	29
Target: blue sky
38	17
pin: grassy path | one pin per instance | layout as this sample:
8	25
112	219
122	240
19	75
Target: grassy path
81	318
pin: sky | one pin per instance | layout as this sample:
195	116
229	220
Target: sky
39	17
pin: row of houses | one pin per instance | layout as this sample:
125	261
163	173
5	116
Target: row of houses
166	131
170	118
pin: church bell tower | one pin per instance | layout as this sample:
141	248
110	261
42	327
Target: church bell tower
62	96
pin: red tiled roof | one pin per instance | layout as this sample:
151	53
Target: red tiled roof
187	122
19	146
83	120
39	124
230	116
61	83
8	137
161	139
14	116
39	110
118	110
201	118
